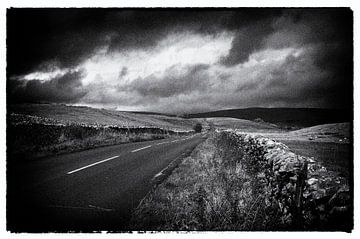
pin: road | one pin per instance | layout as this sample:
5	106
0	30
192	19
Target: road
91	190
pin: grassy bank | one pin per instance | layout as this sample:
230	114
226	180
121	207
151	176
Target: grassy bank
31	137
66	114
213	189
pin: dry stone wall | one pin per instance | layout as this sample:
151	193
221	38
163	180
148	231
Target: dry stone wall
307	195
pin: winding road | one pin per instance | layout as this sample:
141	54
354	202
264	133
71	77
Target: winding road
92	190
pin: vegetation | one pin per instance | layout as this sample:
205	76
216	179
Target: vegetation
35	130
197	128
247	182
101	117
213	189
241	124
334	156
330	144
287	118
33	136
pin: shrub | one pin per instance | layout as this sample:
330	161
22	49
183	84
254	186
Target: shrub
198	128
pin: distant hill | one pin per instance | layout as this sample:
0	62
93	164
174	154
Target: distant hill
93	116
284	117
340	130
240	124
149	113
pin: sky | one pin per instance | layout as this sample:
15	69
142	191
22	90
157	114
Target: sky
181	60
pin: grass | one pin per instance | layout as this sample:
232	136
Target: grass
334	156
241	124
340	132
92	116
27	141
210	190
329	144
36	130
287	118
218	187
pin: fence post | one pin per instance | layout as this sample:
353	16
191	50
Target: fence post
298	217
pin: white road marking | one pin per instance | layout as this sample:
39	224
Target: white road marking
91	207
167	167
136	150
141	149
90	165
159	174
161	143
101	208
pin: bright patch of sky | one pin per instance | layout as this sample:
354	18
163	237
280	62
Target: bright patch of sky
185	49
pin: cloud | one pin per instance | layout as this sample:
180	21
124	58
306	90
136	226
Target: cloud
176	80
291	81
251	29
246	42
66	88
181	60
292	28
123	72
67	37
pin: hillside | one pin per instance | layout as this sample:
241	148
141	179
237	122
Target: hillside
241	124
341	131
38	130
92	116
284	117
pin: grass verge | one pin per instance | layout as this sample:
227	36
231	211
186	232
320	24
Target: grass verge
213	189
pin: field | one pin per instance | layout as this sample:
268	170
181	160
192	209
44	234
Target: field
101	117
242	124
286	118
330	144
36	130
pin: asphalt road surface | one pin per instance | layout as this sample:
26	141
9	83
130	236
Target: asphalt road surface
92	190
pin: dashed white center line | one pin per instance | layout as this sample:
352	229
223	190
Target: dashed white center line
133	151
90	165
161	143
141	149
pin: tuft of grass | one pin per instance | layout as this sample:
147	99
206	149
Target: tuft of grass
210	190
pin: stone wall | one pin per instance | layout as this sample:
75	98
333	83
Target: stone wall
308	196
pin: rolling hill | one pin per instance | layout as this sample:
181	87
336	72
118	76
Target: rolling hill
284	117
241	124
92	116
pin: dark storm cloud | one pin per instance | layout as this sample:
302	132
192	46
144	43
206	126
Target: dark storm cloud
328	32
47	39
38	36
251	27
66	88
123	72
296	82
174	82
292	28
68	36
